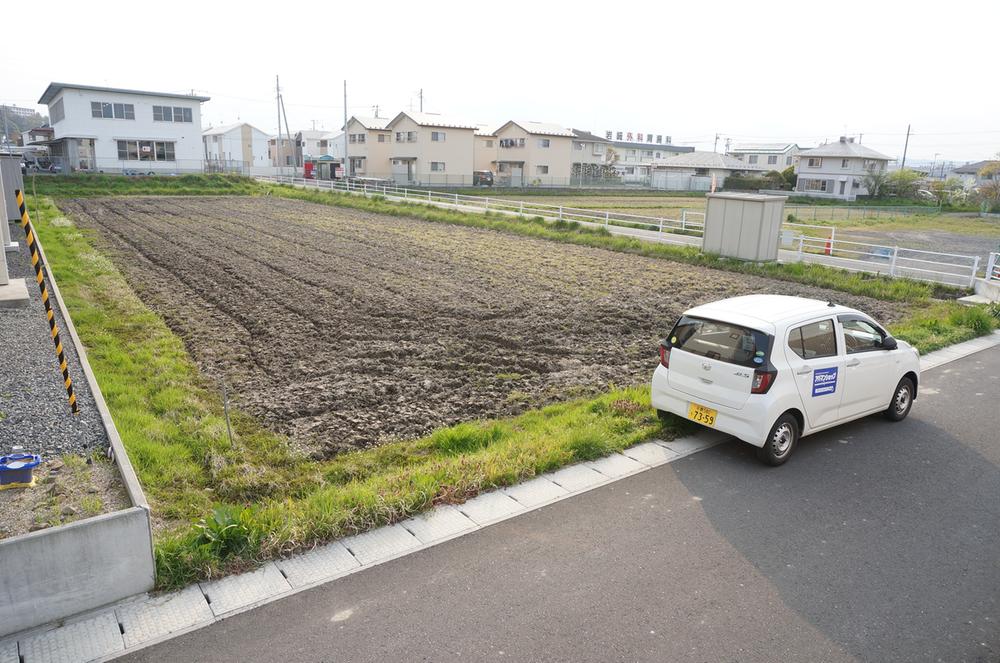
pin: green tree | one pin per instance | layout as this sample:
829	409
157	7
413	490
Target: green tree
875	183
903	182
788	174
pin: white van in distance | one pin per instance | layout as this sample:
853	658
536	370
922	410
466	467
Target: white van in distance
769	369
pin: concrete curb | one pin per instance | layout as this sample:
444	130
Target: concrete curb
142	621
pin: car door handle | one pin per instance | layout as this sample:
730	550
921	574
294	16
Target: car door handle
805	370
852	362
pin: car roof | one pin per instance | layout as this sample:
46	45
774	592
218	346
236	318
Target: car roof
766	312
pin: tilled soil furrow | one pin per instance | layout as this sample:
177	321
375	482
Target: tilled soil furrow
345	329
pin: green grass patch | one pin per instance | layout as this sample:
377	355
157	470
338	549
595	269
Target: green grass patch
88	185
940	324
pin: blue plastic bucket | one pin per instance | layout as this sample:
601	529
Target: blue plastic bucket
16	470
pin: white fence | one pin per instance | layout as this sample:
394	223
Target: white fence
796	246
993	267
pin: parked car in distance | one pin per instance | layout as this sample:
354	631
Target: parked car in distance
482	178
770	369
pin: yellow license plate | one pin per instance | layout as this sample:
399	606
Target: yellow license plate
703	415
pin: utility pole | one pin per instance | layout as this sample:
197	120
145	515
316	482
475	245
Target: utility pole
277	140
421	100
288	130
715	145
345	130
906	145
728	142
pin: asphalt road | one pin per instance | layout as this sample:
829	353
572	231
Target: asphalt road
875	542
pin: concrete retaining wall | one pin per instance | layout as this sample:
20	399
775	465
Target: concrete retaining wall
51	574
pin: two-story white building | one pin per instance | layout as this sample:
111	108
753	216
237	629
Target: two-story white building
634	160
431	149
837	170
770	156
112	129
534	153
239	147
369	143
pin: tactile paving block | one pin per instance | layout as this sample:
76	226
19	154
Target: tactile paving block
76	642
8	652
439	523
237	592
535	492
616	465
156	616
577	477
650	453
320	564
381	543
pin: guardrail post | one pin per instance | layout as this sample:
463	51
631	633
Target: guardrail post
366	188
428	195
892	265
521	211
456	200
560	213
991	266
802	241
487	204
975	270
607	217
684	217
833	234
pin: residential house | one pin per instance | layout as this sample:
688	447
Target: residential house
487	149
105	128
774	156
534	153
309	144
281	151
37	135
697	171
239	147
369	142
969	173
837	170
634	159
590	154
430	149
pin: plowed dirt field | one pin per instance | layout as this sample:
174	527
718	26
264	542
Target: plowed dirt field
346	329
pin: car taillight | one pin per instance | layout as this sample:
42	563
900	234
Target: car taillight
664	356
762	380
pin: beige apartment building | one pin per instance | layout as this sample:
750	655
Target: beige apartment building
369	143
431	149
486	150
534	153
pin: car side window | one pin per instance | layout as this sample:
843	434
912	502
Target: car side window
861	336
814	341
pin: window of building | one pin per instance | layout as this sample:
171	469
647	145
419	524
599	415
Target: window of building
362	138
56	112
437	136
788	161
813	185
772	159
145	150
844	163
489	143
544	142
752	158
437	166
411	136
598	148
815	162
323	144
630	170
381	138
352	138
814	341
111	111
288	160
701	172
541	170
647	153
577	146
400	136
657	155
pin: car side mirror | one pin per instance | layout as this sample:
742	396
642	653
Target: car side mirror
889	343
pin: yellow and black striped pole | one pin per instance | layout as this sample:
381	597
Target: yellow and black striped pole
36	262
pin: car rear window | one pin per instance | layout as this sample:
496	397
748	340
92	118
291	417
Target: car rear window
720	340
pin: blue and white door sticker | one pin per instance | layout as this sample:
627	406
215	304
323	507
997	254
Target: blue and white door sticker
824	381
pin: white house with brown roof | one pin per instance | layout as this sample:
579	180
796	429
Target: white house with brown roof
837	170
431	149
534	153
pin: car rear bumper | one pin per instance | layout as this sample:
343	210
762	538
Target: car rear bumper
751	423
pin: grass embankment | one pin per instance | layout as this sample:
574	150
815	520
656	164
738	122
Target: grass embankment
223	507
80	186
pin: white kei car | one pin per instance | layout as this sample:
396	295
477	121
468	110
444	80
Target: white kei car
769	369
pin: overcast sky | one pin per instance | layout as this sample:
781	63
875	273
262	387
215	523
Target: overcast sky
749	71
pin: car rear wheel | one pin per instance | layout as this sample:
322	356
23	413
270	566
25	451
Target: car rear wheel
902	401
780	441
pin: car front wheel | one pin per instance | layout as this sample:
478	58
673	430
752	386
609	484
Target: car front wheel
780	441
902	401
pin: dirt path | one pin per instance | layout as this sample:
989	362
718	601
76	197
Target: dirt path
346	329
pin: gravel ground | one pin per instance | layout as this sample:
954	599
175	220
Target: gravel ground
34	411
